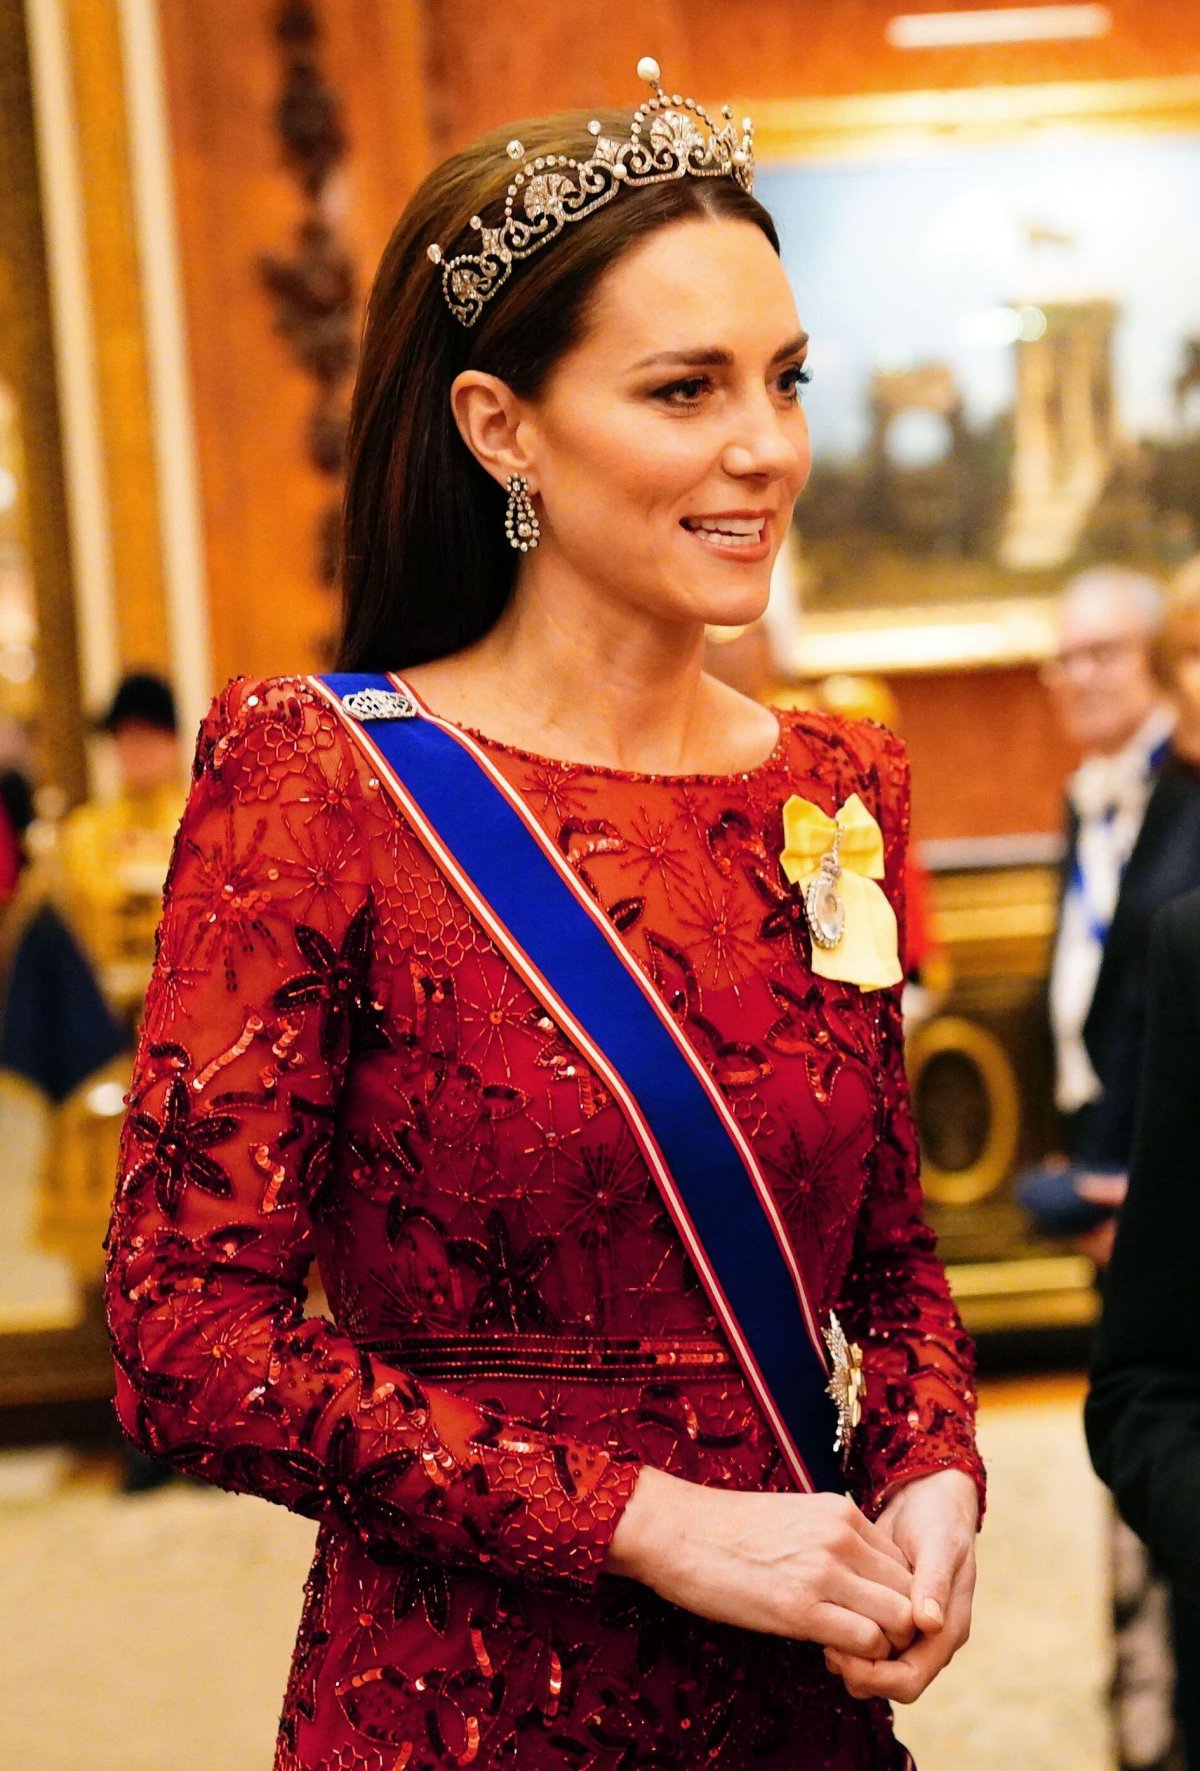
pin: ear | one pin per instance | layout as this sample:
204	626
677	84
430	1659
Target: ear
492	422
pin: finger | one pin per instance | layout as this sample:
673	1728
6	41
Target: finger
904	1679
956	1607
892	1611
899	1681
881	1541
938	1561
866	1561
848	1631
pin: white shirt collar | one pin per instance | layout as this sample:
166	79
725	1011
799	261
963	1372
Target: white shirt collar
1101	782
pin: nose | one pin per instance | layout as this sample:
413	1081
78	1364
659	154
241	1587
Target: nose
768	444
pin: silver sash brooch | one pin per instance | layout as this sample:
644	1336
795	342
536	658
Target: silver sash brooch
379	704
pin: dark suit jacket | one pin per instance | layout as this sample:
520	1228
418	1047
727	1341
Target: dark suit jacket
1143	1413
1164	864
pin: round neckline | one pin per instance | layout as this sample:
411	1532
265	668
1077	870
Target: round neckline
692	777
695	777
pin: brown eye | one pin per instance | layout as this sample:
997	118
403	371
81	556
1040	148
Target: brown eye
688	392
793	379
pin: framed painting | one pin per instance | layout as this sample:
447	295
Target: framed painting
1003	293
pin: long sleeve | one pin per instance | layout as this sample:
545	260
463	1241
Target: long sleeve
265	992
919	1408
1143	1412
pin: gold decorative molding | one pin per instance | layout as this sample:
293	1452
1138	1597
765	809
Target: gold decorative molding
899	122
118	322
1037	1292
997	920
27	365
954	1035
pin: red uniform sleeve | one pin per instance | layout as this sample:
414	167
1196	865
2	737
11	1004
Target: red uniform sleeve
919	1410
252	1020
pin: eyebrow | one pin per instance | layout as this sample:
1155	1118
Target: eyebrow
714	356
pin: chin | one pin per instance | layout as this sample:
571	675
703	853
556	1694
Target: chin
736	608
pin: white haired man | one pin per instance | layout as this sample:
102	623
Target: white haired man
1111	704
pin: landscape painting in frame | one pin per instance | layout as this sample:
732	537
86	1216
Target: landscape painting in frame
1006	368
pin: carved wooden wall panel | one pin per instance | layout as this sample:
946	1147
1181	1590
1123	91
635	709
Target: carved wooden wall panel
236	200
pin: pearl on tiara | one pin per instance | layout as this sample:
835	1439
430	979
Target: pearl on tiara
670	137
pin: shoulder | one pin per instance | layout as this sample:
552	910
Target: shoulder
263	729
852	756
247	702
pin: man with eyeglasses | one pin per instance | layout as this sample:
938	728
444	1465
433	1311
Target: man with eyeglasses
1108	698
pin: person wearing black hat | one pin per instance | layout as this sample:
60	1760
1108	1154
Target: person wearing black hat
141	698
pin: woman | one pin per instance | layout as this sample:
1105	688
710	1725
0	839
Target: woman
561	1453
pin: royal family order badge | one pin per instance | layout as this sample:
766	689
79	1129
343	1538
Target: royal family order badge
847	1384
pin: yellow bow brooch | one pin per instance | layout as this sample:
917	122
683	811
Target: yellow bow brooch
867	951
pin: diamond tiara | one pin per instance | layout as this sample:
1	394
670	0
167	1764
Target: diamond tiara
671	137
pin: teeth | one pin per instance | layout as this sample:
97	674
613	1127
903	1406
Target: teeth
728	525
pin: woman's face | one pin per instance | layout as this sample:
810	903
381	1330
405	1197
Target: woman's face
668	447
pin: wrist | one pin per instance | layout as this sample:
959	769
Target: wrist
648	1527
955	1489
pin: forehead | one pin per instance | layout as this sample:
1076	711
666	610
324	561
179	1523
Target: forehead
703	281
1101	615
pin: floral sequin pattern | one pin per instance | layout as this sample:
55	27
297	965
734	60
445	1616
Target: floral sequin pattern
338	1066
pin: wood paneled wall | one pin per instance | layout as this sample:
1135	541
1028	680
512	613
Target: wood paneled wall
420	77
988	755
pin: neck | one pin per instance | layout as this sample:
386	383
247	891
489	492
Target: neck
569	672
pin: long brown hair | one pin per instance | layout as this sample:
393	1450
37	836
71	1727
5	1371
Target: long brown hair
426	568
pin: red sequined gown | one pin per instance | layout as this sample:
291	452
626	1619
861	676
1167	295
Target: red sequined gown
336	1063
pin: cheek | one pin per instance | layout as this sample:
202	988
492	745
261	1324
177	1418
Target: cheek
620	473
804	455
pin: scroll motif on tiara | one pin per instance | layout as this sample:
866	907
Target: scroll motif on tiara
671	137
366	704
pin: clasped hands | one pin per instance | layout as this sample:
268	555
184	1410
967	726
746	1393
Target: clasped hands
932	1522
889	1601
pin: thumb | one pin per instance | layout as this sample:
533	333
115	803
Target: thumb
933	1578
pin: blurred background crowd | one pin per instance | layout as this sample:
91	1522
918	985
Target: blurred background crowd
991	217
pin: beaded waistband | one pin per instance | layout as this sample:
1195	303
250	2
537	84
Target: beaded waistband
585	1358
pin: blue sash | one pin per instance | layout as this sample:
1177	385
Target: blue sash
479	831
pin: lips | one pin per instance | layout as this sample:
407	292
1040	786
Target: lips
730	531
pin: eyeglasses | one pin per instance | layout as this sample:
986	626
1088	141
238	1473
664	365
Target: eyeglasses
1099	656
